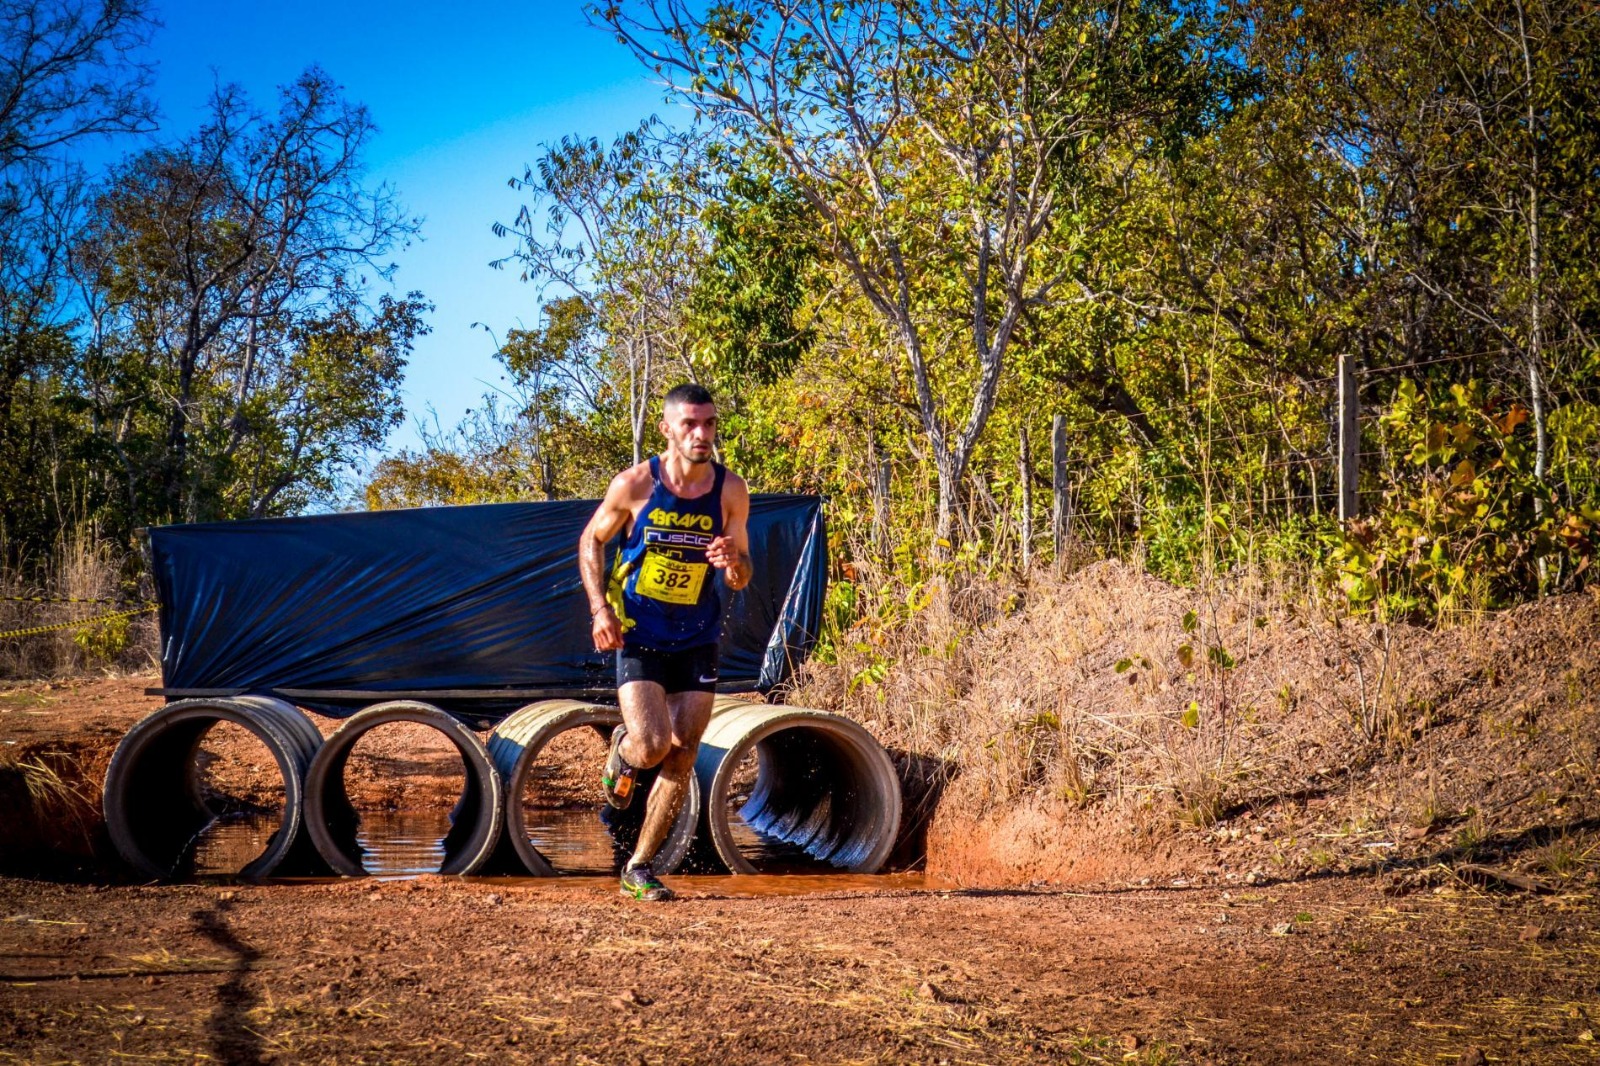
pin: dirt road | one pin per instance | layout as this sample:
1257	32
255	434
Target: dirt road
849	970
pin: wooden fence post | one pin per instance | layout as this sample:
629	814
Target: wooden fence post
1349	439
880	508
1061	510
1025	475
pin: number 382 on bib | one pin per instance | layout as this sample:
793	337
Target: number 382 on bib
669	580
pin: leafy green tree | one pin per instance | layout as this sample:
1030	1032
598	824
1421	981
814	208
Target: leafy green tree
615	229
749	296
935	143
1523	130
573	413
231	363
69	72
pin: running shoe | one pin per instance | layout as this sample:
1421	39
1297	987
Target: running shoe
638	882
618	778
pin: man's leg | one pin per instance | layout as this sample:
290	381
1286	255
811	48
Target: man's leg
690	711
649	721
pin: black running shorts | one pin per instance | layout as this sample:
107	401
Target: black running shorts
690	670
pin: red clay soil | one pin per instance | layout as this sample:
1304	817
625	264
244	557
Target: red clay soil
1428	901
862	970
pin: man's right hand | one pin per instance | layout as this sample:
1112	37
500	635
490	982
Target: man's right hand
607	631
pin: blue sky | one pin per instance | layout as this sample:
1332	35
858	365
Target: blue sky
463	94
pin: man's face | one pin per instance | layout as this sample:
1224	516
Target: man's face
691	429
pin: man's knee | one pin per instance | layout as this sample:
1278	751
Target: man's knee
652	748
678	761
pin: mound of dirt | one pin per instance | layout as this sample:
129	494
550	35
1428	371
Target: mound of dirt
1115	727
50	796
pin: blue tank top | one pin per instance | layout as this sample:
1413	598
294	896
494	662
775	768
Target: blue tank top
663	590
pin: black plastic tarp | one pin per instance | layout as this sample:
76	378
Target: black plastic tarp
476	609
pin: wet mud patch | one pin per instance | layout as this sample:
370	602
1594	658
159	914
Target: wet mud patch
563	816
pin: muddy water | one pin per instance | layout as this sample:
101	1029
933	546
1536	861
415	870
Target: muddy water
728	886
576	840
230	842
580	841
402	843
769	855
410	843
393	843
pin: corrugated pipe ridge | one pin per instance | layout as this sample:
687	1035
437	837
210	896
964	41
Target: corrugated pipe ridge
823	784
332	820
515	746
155	806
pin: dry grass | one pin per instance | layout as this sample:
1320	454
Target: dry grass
1107	686
52	811
1110	700
82	569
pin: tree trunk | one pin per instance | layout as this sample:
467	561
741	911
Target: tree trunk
949	480
1535	358
177	501
252	342
639	399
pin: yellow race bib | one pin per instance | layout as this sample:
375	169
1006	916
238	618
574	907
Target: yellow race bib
669	580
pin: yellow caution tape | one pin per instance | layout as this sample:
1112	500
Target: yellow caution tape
74	625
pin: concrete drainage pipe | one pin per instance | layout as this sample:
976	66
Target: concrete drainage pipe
332	819
821	784
515	746
155	805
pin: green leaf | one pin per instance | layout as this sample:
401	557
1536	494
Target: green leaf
1186	655
1124	665
1191	622
1191	715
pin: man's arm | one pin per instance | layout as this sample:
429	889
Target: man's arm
610	518
730	552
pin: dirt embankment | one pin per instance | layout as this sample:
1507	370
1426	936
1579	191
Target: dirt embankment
1111	726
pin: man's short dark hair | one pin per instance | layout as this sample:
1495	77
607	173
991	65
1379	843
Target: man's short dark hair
689	393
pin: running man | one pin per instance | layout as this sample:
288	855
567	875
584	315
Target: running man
682	516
